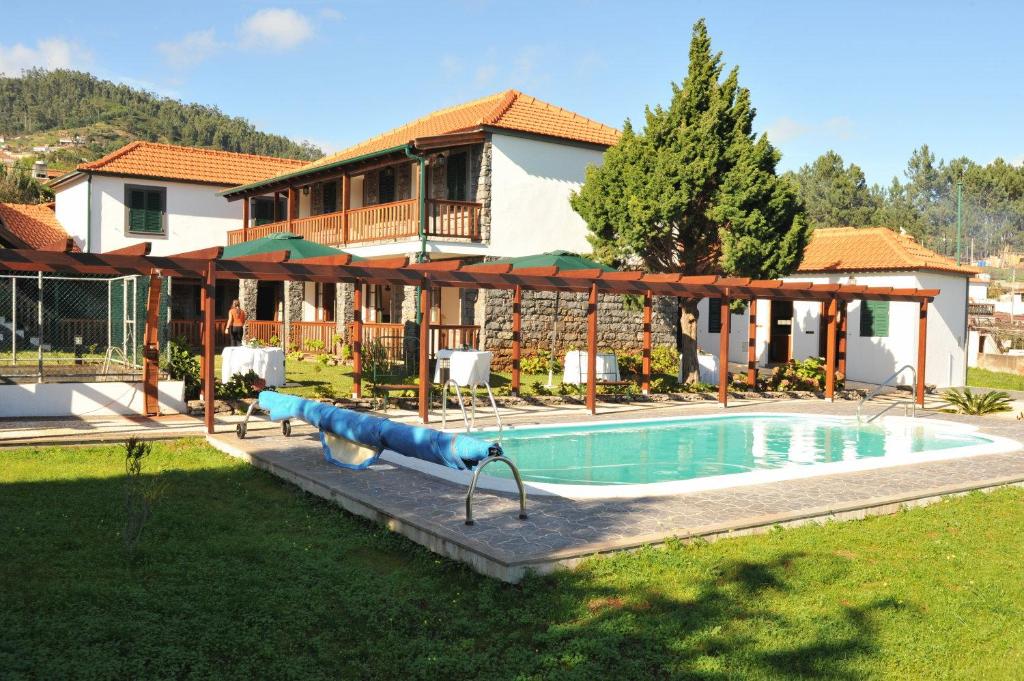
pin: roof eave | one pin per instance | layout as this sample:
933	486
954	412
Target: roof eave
241	190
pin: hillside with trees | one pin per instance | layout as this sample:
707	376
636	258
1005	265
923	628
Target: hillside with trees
924	202
39	106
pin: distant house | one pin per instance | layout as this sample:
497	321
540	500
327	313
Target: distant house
31	226
881	336
157	192
490	177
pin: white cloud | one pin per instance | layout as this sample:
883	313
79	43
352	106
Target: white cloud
276	29
49	53
786	129
485	74
1018	162
331	14
451	66
195	48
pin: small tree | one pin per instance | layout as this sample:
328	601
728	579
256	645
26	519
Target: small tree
696	192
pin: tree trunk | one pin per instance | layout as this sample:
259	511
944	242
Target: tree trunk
688	337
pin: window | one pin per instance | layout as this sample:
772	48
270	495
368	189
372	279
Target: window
263	210
144	210
386	185
330	191
714	315
874	318
457	177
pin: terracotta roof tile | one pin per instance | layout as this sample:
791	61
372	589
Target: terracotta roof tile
871	249
34	224
190	164
508	110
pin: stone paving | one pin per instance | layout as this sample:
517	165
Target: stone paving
560	532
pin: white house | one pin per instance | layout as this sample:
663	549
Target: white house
491	177
881	336
161	193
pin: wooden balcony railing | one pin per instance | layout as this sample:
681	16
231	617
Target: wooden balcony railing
396	220
442	336
192	331
453	219
381	222
324	332
264	331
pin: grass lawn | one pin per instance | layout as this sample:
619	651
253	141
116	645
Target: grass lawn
241	576
1001	380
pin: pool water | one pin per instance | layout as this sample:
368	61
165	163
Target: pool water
689	448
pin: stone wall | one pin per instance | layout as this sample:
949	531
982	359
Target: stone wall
293	297
618	328
247	296
480	167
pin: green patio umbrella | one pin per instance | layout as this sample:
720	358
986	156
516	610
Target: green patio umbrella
297	247
563	260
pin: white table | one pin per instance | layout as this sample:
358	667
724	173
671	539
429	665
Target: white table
575	372
268	363
466	367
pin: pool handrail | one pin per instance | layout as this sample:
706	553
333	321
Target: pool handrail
470	419
883	384
476	474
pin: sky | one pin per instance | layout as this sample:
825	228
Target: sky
870	80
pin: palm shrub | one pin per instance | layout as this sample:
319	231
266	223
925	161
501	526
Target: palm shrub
181	365
963	401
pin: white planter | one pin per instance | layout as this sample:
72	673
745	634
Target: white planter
707	368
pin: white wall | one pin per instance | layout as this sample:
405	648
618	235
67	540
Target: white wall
196	216
531	181
32	400
870	360
72	209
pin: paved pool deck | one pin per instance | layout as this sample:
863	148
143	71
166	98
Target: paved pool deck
561	532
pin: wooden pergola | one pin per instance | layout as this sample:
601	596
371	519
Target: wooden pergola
208	266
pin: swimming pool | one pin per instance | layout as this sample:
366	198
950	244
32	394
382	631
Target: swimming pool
664	456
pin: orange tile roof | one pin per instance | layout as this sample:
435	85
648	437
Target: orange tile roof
872	248
508	110
189	164
34	224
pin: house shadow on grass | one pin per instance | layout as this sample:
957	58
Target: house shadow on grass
241	575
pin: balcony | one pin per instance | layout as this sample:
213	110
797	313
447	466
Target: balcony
381	222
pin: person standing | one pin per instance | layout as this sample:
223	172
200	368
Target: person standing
236	323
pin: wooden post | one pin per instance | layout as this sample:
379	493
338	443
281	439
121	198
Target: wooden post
151	350
208	297
752	344
830	349
592	350
424	354
276	217
841	351
517	336
723	353
645	383
245	219
357	340
293	206
922	350
346	201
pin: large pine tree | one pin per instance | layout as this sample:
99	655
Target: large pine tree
696	192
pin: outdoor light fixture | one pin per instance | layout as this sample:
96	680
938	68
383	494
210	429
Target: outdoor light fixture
305	190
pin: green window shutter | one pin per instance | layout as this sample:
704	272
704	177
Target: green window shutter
456	173
714	315
136	210
154	212
874	318
330	191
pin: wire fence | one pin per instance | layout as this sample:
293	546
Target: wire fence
60	328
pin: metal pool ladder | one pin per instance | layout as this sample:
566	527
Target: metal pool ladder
476	474
883	384
470	418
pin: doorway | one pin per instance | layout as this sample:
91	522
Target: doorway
781	332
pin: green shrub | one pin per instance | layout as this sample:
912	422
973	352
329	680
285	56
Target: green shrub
295	356
140	492
274	340
665	360
240	386
323	358
314	345
182	365
346	352
336	340
976	404
539	362
538	388
799	375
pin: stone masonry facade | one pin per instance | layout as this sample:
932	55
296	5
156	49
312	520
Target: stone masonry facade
619	327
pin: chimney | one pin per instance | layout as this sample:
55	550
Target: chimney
39	170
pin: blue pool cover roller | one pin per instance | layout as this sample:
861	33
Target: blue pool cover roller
454	450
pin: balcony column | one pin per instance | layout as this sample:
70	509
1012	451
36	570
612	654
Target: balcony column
517	336
346	202
245	219
293	206
277	199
